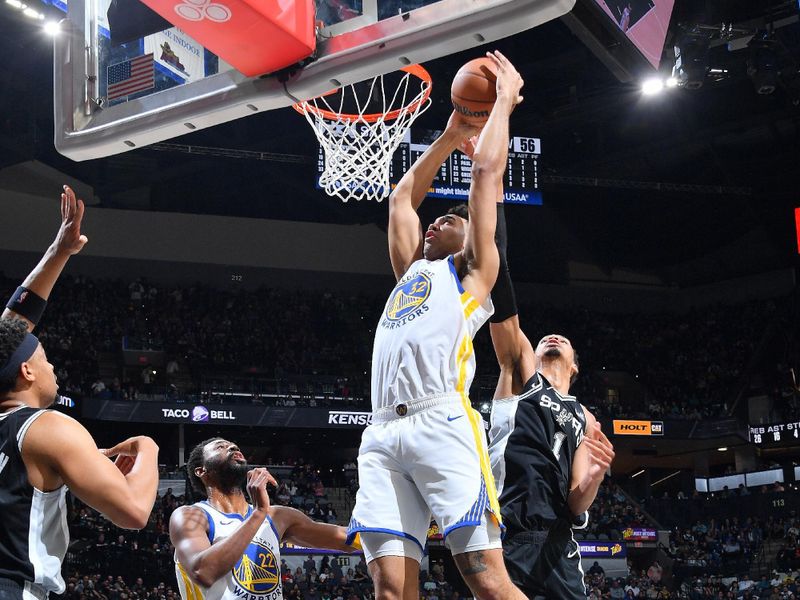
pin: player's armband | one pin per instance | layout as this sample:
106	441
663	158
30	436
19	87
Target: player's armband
27	304
503	299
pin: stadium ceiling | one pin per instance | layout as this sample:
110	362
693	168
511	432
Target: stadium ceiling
728	157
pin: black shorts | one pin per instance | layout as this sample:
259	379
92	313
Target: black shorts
545	564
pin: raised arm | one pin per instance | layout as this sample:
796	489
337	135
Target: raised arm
28	302
204	562
515	356
488	165
299	529
513	349
405	229
124	492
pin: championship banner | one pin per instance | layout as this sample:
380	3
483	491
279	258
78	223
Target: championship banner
211	414
176	54
639	534
645	428
603	549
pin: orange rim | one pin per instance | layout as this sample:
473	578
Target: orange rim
416	70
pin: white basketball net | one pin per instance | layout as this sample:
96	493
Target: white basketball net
358	151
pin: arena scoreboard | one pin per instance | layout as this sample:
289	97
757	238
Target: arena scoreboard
454	177
787	433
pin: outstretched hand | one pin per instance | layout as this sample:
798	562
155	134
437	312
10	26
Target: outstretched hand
601	452
465	131
126	452
69	239
509	81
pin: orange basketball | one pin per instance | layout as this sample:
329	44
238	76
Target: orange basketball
473	92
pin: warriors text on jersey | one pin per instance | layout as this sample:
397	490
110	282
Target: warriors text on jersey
256	576
533	439
423	340
33	527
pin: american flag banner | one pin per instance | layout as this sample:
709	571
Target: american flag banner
131	76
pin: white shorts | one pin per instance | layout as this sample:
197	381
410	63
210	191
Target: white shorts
421	459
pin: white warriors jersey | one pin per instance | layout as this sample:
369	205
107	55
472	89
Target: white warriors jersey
257	574
423	341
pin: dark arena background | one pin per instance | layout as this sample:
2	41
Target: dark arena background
223	294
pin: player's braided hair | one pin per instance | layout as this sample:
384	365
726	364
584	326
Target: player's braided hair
12	333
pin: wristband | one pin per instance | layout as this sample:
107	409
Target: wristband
27	304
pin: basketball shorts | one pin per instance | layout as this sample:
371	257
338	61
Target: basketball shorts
546	564
422	459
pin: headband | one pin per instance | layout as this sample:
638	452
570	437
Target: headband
23	352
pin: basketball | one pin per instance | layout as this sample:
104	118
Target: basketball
473	91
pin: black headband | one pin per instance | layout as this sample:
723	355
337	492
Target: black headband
23	352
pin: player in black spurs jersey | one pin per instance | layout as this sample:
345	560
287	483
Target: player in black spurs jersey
42	451
548	453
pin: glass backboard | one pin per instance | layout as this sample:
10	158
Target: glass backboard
116	91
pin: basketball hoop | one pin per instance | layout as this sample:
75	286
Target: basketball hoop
359	145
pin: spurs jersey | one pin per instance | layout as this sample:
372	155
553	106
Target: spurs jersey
256	576
33	526
532	442
423	341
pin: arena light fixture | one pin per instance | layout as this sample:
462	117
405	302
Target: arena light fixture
691	61
51	28
637	474
16	4
722	449
665	478
762	66
652	86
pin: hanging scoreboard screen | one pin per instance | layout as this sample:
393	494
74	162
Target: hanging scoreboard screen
775	433
455	175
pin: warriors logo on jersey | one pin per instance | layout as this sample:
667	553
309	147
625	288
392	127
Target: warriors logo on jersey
408	300
257	574
257	571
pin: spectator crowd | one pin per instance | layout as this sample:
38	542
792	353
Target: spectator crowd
312	347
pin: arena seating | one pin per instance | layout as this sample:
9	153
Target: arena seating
270	346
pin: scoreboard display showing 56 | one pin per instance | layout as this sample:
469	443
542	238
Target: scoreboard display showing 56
776	433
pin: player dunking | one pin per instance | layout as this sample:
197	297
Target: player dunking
548	453
228	549
42	451
425	452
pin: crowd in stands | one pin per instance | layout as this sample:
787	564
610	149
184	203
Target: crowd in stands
312	347
611	513
637	584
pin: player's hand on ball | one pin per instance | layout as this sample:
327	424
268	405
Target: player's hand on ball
509	81
601	452
465	130
257	481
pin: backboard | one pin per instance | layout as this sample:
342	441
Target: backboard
114	97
